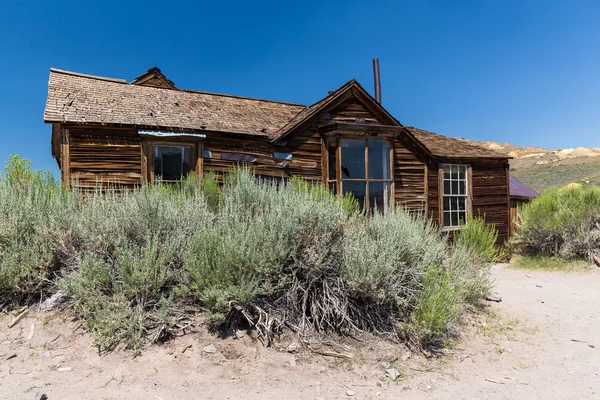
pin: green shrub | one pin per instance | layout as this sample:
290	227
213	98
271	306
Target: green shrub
562	222
479	237
276	254
440	302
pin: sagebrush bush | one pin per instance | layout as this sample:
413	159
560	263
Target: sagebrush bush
263	252
561	222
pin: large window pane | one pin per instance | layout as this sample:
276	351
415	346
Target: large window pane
358	189
171	163
379	160
353	159
379	196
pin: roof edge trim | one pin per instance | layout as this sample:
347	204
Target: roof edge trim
102	78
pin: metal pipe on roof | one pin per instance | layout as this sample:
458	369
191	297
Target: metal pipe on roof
377	80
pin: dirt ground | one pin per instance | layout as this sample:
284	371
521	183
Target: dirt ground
541	342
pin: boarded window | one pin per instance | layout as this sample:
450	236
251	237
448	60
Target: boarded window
171	163
238	157
455	194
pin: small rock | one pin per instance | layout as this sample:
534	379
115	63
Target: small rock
538	285
40	396
64	369
379	384
350	393
386	365
53	301
211	349
428	387
293	362
393	373
47	354
494	297
240	334
293	347
406	356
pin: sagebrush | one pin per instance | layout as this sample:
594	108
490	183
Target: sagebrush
245	251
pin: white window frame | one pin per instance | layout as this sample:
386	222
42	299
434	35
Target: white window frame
466	196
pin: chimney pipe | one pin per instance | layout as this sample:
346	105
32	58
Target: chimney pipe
377	80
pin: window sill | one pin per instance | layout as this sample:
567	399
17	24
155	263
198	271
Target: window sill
450	228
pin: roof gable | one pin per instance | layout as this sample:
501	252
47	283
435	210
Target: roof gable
351	90
154	78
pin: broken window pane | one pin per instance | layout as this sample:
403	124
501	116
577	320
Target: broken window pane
353	159
171	163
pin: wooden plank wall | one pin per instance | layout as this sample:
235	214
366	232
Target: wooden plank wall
433	193
490	196
409	178
351	110
106	157
305	149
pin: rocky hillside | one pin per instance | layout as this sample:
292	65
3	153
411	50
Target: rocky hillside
543	168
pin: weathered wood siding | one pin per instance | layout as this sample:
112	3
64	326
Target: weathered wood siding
489	191
305	162
351	110
491	196
409	178
433	192
107	157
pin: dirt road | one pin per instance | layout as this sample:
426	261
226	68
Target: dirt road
541	342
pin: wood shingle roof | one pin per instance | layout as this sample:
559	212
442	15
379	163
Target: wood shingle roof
85	99
76	98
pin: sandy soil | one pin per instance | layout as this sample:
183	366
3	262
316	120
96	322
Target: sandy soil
541	342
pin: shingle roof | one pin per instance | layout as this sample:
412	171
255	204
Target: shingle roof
78	98
86	99
444	146
520	190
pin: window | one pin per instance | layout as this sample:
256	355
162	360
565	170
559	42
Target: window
454	194
171	163
365	171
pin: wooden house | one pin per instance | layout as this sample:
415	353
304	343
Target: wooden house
110	131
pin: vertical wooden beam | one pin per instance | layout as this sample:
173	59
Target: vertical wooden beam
367	199
144	155
150	156
338	167
507	171
324	162
440	195
65	157
426	188
392	175
469	191
200	159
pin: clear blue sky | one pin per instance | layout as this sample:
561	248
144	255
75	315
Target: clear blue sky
525	72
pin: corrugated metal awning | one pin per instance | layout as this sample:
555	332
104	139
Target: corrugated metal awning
155	133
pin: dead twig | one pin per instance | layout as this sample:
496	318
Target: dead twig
19	317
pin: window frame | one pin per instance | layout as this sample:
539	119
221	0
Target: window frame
338	180
468	194
196	148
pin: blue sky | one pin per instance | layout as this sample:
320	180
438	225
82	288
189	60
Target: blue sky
524	72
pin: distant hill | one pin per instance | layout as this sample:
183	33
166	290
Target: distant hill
543	168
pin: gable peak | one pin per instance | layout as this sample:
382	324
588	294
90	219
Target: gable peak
154	78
